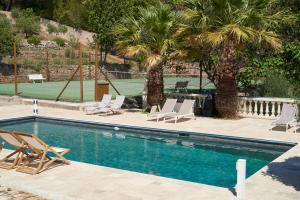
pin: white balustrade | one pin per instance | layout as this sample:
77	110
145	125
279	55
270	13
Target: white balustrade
262	107
258	107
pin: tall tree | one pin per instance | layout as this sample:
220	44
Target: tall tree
6	37
230	26
27	22
103	15
72	13
149	35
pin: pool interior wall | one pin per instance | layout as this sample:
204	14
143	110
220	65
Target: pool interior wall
197	157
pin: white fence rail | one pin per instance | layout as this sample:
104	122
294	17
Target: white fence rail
262	107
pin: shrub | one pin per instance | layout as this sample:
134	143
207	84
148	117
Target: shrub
27	22
275	85
34	40
57	61
73	42
62	29
51	28
70	53
59	41
6	37
15	13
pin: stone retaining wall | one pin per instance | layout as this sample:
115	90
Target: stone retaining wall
57	73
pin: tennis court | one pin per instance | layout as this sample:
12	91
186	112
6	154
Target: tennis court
127	87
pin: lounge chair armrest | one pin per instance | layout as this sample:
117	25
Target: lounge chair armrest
293	122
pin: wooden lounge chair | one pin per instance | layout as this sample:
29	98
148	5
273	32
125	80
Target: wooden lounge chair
287	117
10	161
41	149
115	108
95	108
166	109
186	110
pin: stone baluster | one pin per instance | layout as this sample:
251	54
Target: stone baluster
245	106
256	108
279	109
267	109
251	108
272	109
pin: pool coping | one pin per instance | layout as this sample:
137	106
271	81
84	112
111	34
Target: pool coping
201	186
211	135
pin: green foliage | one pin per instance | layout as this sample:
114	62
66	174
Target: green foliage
291	65
62	29
70	53
34	40
51	28
284	65
149	35
103	15
15	12
30	64
27	22
74	42
275	85
59	41
72	13
6	37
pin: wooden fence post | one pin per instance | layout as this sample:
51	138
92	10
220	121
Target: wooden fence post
96	70
15	70
81	72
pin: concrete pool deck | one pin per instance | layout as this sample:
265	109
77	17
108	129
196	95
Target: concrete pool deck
279	180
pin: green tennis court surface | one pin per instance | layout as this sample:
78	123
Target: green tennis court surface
127	87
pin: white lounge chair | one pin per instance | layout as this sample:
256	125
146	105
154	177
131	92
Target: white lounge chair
10	161
95	108
186	110
287	117
168	108
115	108
297	127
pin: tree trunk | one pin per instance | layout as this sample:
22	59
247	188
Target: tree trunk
155	85
9	5
226	97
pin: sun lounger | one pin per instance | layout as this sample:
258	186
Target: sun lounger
297	126
10	161
168	108
115	108
287	117
41	149
186	110
181	85
104	103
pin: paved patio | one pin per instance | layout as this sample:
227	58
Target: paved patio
278	180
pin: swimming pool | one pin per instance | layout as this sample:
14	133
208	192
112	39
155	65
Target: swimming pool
188	156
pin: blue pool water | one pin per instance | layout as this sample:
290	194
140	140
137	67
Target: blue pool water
192	157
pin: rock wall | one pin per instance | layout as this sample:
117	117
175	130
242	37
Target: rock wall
56	73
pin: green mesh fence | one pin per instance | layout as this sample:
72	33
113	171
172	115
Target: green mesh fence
128	87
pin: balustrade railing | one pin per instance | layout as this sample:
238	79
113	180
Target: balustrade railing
262	107
258	107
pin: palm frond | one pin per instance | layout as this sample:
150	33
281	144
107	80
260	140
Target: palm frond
153	60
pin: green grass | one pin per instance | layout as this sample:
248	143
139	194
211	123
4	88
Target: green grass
127	87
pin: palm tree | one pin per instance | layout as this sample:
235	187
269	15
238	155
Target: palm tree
149	35
229	26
